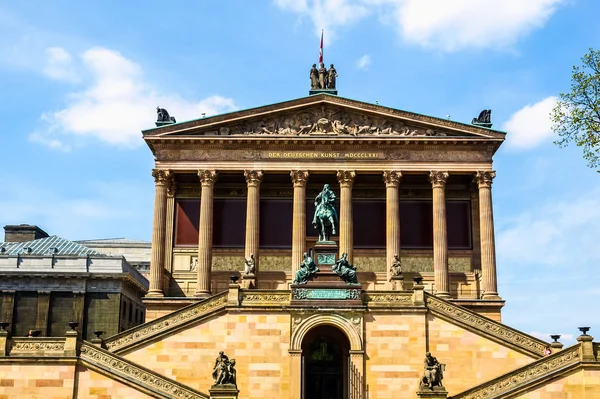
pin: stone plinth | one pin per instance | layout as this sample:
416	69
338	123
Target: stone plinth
248	281
397	283
333	92
435	393
225	391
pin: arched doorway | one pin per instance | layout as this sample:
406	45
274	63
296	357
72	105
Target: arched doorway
325	352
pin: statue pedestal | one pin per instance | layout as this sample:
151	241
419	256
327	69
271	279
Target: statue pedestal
397	283
248	281
325	91
225	391
325	253
435	393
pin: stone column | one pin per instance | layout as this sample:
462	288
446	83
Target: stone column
157	260
299	179
486	224
205	232
253	179
346	180
392	213
440	233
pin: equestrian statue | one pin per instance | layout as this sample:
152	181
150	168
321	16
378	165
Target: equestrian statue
325	217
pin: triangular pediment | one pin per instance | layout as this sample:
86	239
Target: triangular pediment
324	115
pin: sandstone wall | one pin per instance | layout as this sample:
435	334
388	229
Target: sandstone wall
258	341
37	381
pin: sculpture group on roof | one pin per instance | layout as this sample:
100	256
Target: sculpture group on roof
321	78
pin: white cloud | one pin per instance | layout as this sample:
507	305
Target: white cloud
557	234
59	65
530	125
364	62
116	104
439	24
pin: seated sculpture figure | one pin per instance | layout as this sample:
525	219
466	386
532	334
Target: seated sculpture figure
345	270
307	269
433	372
224	370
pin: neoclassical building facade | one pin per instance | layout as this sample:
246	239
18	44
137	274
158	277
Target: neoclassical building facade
414	220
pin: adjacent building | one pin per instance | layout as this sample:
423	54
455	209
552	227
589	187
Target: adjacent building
48	281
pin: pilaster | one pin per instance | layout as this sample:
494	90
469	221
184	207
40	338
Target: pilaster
299	179
392	212
43	311
346	180
78	309
157	260
440	234
488	246
205	231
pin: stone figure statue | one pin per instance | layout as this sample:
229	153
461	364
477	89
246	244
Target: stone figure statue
224	370
163	116
307	269
433	372
325	217
396	267
322	76
484	118
314	78
194	264
331	77
250	265
345	270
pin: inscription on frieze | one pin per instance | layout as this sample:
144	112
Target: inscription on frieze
308	293
323	155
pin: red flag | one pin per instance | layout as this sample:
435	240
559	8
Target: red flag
321	49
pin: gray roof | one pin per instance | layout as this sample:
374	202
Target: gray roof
112	241
47	246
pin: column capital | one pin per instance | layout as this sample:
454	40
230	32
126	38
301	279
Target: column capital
207	177
438	178
171	184
346	177
160	176
392	178
484	178
253	177
299	177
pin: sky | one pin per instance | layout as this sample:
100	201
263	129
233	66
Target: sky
80	80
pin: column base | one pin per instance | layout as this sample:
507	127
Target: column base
155	294
491	296
202	294
442	294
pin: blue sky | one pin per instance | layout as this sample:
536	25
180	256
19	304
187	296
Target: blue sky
80	80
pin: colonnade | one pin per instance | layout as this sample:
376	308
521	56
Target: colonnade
392	180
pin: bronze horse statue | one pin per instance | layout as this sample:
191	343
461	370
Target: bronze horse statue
325	217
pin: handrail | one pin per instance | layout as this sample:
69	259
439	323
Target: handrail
488	327
142	378
184	316
522	377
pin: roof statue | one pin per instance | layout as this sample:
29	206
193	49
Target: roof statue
163	117
484	119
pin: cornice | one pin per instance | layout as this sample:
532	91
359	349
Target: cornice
320	99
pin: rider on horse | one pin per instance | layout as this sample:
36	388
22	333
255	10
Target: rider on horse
325	209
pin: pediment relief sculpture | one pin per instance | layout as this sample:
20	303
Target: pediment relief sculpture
325	122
